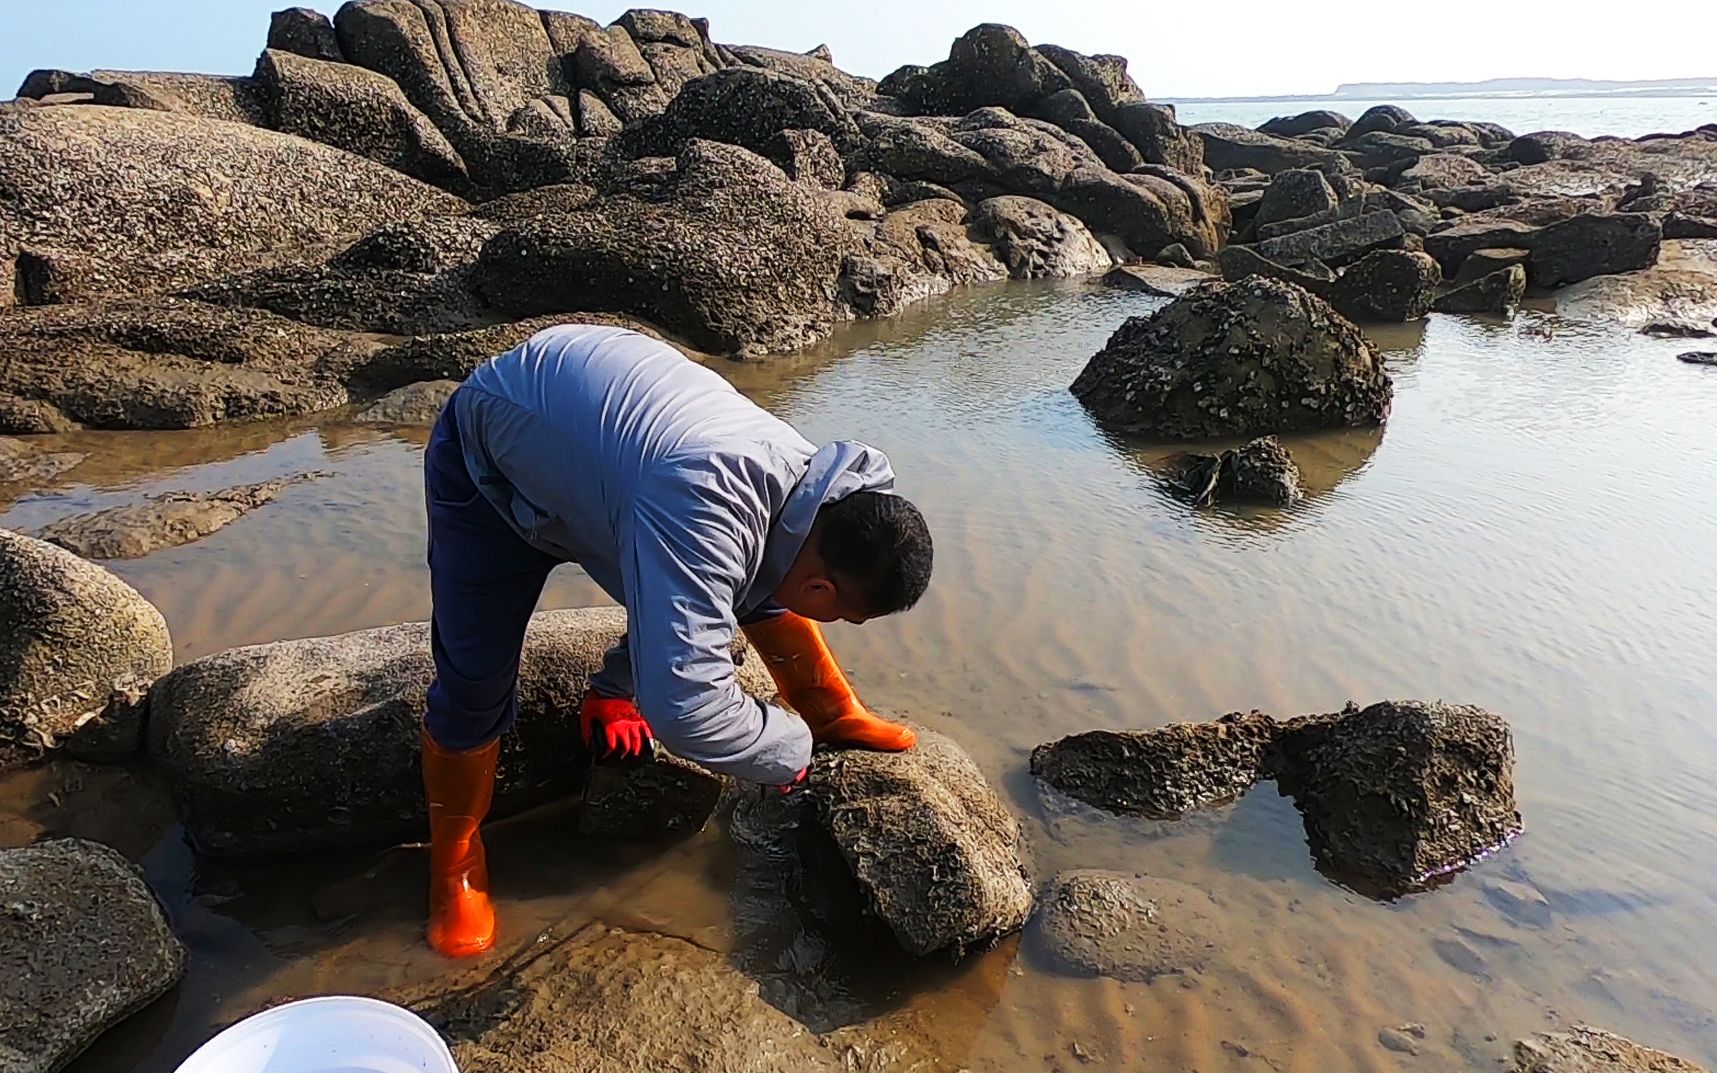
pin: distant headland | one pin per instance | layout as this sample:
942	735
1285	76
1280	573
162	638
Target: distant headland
1496	87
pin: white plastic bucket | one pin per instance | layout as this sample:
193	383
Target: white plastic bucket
331	1034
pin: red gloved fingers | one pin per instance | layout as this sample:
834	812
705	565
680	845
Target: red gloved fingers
798	781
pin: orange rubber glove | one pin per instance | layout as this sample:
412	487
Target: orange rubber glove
612	727
459	788
811	681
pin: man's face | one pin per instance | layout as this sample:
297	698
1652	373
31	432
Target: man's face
818	598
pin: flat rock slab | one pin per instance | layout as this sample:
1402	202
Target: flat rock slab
1337	241
1128	927
163	521
1400	792
1162	773
80	650
313	744
415	404
1164	281
83	945
609	1001
935	852
1582	1049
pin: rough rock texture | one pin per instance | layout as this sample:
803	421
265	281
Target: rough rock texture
1037	242
1261	471
1305	122
304	32
1698	357
1677	295
1498	292
1336	242
163	521
171	363
27	467
80	649
1228	359
1402	791
609	1001
230	100
29	417
852	90
1229	146
744	106
313	744
1294	195
1389	286
1163	281
1128	927
663	796
1160	773
935	851
359	111
1583	1049
83	945
1587	246
731	254
160	200
415	404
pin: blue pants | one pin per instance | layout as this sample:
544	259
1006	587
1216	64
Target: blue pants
485	582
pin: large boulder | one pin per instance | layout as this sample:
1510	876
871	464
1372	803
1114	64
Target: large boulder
1593	245
1128	927
1162	773
730	253
313	744
164	200
1583	1049
1381	118
1227	145
81	649
228	99
1229	359
1336	242
1388	286
745	106
172	364
418	404
1496	292
1677	295
853	90
1035	241
162	521
359	111
304	32
1401	792
934	850
85	945
1305	122
1295	194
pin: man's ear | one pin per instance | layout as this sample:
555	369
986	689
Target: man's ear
819	584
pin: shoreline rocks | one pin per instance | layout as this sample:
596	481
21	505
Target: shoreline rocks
1583	1049
1163	773
85	945
313	744
1254	357
163	521
81	655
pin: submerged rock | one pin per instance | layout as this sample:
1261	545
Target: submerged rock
933	849
1160	773
26	467
1259	472
1402	791
1699	357
1498	292
163	521
1677	295
415	404
604	1000
1583	1049
1133	928
313	744
84	944
1230	359
80	651
1163	281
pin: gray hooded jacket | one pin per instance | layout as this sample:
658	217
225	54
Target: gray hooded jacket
685	501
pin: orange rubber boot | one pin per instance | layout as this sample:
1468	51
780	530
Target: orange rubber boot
811	681
459	787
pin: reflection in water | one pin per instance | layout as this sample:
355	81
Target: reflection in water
1531	534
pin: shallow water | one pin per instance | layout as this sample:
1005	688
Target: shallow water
1622	116
1531	533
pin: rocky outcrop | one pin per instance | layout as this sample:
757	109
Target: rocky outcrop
1497	292
1162	773
416	404
182	199
1400	792
85	945
1583	1049
745	106
313	744
1229	146
852	90
1248	358
304	32
1037	242
933	849
1388	286
1585	246
1260	472
81	649
230	100
171	363
727	252
1128	927
1676	296
163	521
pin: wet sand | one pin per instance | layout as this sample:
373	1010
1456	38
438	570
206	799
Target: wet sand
1530	534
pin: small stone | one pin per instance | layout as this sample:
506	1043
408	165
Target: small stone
1699	357
1458	955
1393	1039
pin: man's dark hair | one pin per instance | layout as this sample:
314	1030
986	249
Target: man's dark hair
880	543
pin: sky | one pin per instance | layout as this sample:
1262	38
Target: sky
1176	48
